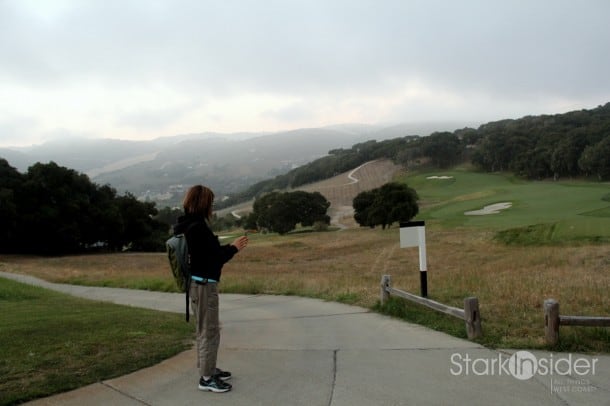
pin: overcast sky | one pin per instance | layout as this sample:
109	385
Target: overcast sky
139	69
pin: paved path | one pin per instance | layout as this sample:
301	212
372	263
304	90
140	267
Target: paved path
296	351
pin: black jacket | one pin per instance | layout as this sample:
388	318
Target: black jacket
207	255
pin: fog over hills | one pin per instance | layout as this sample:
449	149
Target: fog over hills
160	169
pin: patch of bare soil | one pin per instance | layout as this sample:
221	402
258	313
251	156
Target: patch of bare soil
340	190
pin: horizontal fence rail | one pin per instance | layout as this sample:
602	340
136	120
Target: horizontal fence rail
470	313
453	311
552	321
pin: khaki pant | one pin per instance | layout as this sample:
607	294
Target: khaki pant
204	302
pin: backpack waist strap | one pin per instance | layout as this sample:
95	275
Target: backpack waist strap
202	281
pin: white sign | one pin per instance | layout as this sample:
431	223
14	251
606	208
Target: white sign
413	234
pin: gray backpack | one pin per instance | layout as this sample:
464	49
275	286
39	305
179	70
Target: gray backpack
180	263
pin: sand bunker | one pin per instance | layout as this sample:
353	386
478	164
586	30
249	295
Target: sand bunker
439	177
491	209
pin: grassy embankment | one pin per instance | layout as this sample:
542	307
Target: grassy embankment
552	242
50	342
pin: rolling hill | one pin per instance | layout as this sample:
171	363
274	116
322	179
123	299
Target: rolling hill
159	170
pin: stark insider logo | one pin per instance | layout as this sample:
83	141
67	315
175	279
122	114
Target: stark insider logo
522	365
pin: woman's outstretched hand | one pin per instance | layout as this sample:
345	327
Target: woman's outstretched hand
240	242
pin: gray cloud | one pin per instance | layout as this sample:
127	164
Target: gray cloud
498	56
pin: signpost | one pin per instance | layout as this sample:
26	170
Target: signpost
413	234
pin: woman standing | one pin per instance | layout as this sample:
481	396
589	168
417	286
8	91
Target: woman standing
207	258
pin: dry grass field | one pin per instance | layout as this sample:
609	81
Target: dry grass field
510	282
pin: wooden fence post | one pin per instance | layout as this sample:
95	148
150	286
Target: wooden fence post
551	321
472	316
386	282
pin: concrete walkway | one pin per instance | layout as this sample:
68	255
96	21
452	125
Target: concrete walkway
297	351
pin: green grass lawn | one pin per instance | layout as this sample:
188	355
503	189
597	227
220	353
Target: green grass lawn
576	210
51	342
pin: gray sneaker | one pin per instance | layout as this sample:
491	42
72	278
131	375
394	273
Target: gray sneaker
224	375
214	384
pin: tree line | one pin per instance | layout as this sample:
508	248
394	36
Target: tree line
53	210
574	144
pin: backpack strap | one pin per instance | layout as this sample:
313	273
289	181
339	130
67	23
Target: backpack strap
188	288
189	279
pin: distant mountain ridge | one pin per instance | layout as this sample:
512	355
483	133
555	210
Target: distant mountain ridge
159	169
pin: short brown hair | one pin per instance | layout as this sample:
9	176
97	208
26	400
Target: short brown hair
199	200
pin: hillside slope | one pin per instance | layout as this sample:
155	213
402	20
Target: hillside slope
340	190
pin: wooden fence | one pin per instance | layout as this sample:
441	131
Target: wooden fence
552	321
470	313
